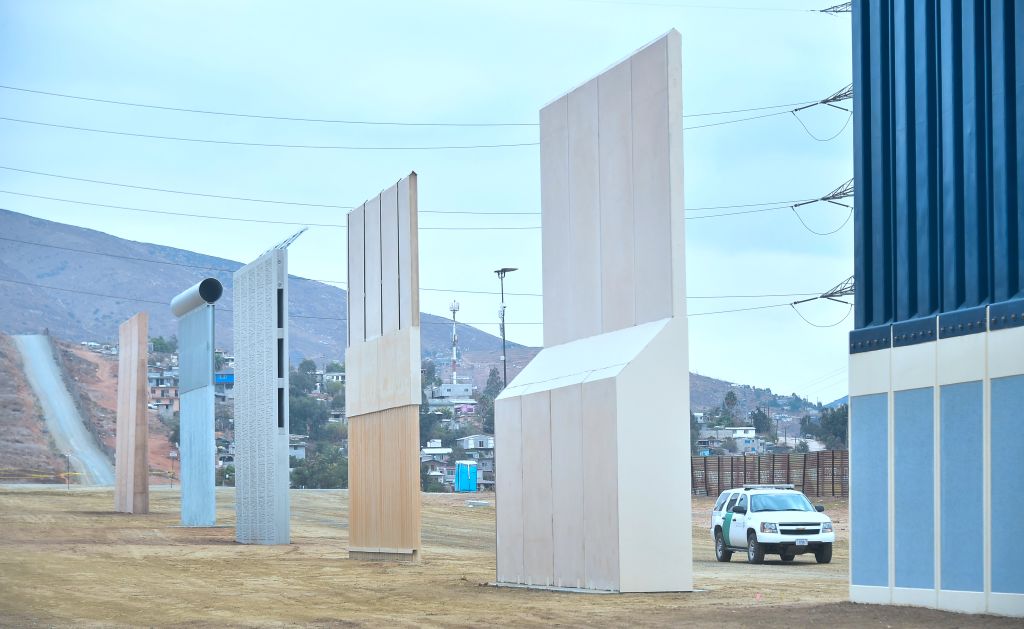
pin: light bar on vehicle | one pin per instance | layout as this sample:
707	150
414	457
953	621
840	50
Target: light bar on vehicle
775	486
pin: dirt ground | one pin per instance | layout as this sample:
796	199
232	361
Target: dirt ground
66	559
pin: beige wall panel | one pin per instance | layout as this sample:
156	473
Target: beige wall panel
600	485
399	482
358	458
652	171
389	248
618	276
373	269
131	472
537	532
508	480
584	212
567	486
408	253
356	283
555	222
654	533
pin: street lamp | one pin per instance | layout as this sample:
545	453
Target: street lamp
501	318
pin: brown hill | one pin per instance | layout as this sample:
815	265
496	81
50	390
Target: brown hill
80	284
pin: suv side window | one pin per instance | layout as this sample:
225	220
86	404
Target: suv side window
721	501
743	502
732	502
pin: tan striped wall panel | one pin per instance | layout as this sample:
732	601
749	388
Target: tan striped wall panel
382	365
131	470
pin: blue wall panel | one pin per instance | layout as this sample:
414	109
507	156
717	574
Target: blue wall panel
938	156
869	490
914	454
1007	476
960	435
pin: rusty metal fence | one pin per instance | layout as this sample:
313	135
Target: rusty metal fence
817	474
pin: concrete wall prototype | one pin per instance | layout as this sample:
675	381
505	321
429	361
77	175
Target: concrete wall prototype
195	311
572	431
934	464
261	399
131	470
382	371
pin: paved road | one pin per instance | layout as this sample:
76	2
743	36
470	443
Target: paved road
62	418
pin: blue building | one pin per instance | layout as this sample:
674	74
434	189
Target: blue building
937	354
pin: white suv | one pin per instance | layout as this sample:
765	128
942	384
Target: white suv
770	519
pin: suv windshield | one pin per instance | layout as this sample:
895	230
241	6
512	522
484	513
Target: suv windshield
780	502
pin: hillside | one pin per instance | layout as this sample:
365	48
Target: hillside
319	311
27	453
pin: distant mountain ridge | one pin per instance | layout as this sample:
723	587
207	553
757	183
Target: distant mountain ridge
319	312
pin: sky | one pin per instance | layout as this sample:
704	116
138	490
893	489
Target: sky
447	61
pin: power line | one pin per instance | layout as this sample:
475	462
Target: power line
305	204
269	144
344	121
295	316
311	279
257	220
194	194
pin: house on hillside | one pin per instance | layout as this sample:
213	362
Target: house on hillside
224	385
163	389
434	452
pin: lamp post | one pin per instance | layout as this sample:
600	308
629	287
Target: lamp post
501	318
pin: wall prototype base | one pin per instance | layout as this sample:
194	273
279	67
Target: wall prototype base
585	457
934	464
384	485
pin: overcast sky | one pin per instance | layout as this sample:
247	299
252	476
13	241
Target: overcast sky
443	61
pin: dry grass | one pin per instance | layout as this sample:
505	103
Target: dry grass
66	559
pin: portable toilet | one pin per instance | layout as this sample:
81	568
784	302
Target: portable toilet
465	475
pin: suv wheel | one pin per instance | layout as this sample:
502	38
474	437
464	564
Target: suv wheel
722	553
824	553
755	554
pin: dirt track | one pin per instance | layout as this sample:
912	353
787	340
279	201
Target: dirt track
66	559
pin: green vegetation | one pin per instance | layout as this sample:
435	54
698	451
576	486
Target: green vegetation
830	428
162	346
323	468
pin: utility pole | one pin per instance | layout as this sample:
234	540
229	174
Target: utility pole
67	475
501	323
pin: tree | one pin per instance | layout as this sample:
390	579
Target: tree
161	346
485	409
761	422
323	468
223	416
334	367
430	378
428	483
729	444
303	379
694	433
730	400
306	415
226	476
801	446
494	383
833	427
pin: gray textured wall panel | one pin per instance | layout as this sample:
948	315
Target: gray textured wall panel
261	401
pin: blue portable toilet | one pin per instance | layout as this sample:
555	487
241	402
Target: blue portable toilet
465	476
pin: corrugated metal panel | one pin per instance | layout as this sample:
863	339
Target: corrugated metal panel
939	156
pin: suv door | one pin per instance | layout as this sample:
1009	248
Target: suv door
738	530
727	516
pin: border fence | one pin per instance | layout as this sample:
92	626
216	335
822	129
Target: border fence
818	474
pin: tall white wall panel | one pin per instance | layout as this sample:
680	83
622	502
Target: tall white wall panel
573	429
261	400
